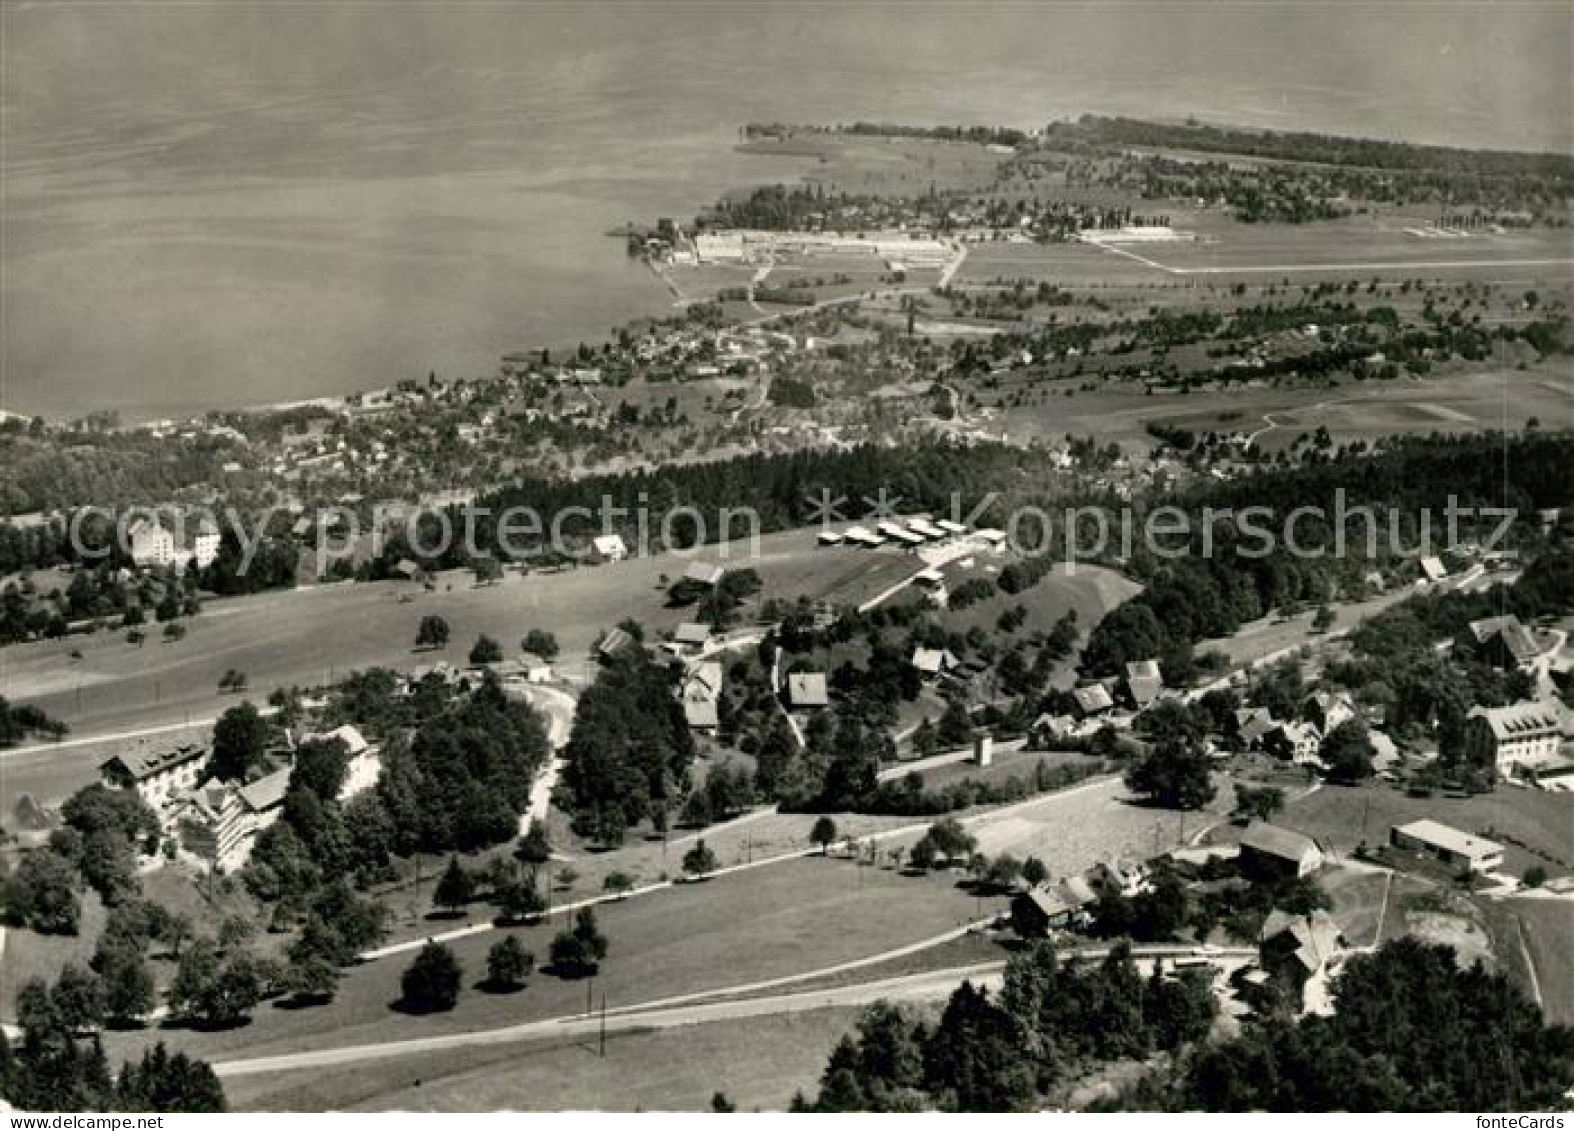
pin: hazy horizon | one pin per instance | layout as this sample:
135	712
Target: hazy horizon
209	205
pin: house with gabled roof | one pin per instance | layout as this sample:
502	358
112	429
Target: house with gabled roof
1502	642
703	682
1327	709
1251	724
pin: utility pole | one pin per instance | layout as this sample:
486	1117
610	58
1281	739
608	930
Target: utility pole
603	1026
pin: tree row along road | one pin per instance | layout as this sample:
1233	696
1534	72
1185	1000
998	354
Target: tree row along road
925	986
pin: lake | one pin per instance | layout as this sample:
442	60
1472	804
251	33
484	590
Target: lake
215	206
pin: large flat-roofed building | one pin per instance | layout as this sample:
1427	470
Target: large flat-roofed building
1524	734
1448	844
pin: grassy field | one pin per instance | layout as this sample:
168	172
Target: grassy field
758	1062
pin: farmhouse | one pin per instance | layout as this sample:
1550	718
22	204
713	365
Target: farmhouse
932	582
806	691
1117	877
535	669
1269	850
1433	569
157	776
1448	844
1525	734
1049	727
152	544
